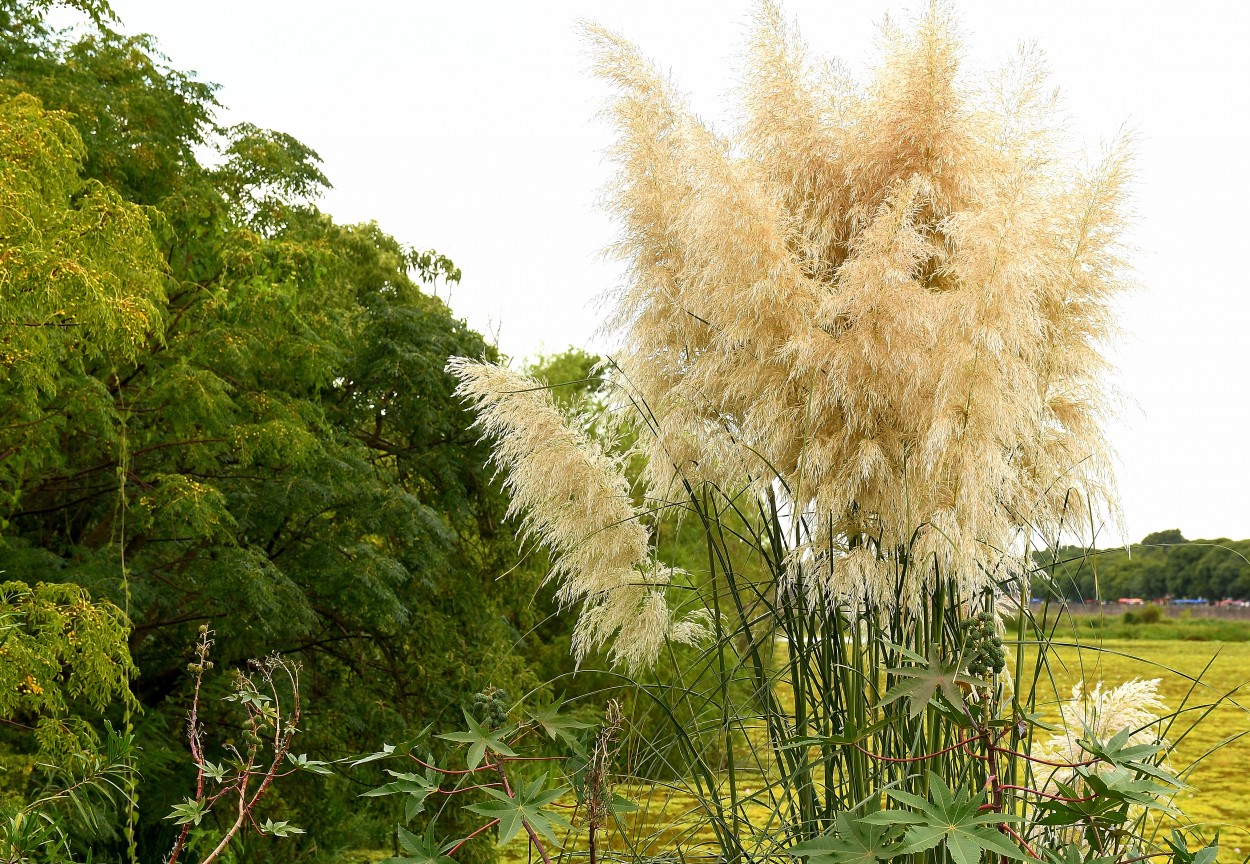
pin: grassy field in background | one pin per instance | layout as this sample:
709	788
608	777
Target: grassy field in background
1221	794
1141	625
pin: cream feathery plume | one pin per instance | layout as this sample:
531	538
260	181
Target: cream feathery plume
713	285
890	302
794	125
917	117
1134	705
573	497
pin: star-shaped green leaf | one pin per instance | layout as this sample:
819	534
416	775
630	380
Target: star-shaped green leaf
1117	750
401	749
420	849
1181	854
279	829
216	771
525	809
952	819
1075	853
1076	807
1124	784
189	811
1134	757
922	682
415	786
303	763
557	725
480	740
854	842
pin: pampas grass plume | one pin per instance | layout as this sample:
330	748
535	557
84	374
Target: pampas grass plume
573	497
889	299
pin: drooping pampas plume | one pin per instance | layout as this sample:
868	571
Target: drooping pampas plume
573	497
888	300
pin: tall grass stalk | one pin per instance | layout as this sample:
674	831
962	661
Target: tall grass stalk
784	721
796	684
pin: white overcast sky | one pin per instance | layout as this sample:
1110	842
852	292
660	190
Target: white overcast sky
469	127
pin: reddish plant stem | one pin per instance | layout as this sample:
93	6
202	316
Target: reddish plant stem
533	758
284	729
507	787
1102	848
1004	827
281	742
238	822
996	789
212	799
954	746
491	824
1009	752
449	771
465	788
1050	795
982	756
193	738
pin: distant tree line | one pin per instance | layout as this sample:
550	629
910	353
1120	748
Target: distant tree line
1164	564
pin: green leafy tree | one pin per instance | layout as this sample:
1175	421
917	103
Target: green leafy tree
1163	564
58	650
82	287
272	449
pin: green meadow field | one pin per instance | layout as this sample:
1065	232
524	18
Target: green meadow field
1219	799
